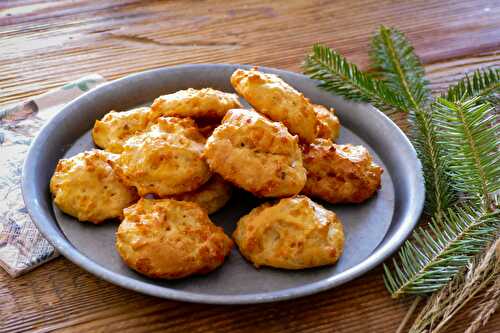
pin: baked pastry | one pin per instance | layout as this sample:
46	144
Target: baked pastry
164	160
211	196
340	173
194	103
170	239
256	154
328	123
294	233
115	128
86	187
279	101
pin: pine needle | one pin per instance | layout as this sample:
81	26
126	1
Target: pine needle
442	306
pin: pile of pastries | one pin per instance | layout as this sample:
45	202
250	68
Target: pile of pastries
164	169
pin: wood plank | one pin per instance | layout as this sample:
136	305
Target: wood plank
62	297
89	41
46	43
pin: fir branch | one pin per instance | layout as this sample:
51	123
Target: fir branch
401	70
470	131
439	194
437	253
443	305
399	67
483	83
341	77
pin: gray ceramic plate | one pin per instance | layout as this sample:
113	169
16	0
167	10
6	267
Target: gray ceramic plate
374	229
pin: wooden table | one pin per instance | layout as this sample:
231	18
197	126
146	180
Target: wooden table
46	43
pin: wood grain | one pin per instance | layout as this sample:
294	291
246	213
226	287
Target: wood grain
47	43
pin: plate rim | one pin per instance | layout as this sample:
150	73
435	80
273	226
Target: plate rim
63	245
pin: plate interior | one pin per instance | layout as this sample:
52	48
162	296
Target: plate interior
365	226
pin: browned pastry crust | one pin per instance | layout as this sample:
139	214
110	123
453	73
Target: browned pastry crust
295	233
256	154
115	128
207	102
279	101
340	173
165	160
170	239
328	123
86	187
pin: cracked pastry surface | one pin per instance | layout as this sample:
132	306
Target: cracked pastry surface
86	187
279	101
256	154
294	233
164	160
211	196
328	123
169	239
340	173
194	103
111	132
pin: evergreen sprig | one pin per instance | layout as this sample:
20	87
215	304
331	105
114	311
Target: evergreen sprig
454	132
470	131
483	82
440	250
341	77
400	69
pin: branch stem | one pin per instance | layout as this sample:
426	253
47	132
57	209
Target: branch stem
409	314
